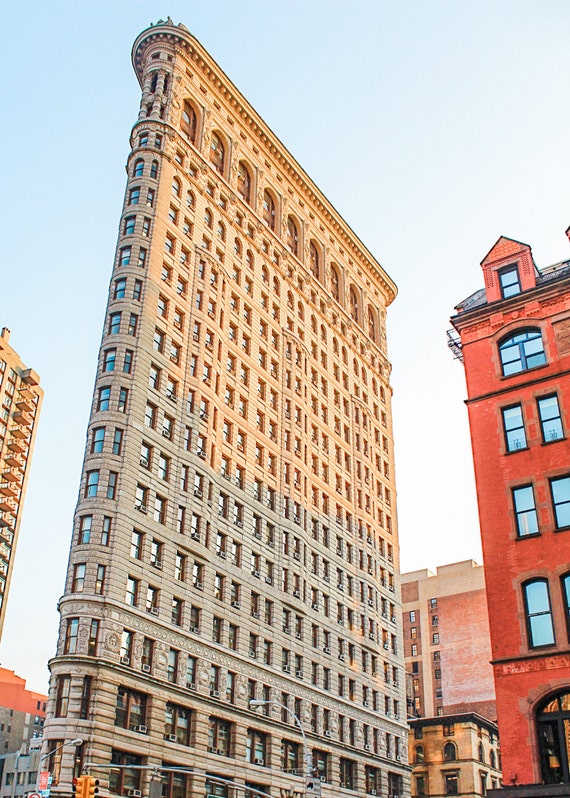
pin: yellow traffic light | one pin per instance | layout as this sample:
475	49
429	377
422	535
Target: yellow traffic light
79	787
91	787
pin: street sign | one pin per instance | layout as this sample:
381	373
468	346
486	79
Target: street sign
34	795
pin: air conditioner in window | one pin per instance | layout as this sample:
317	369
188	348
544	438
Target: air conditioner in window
253	653
341	657
157	564
297	593
258	762
269	580
327	650
370	603
322	778
314	605
141	729
373	792
296	555
255	573
125	660
197	492
221	554
239	523
198	585
215	693
236	605
386	646
141	508
135	794
195	630
145	668
195	536
212	750
286	669
166	433
255	615
287	630
371	635
144	462
221	752
299	674
170	737
298	635
365	704
153	610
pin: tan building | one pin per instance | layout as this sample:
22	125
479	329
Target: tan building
447	646
455	755
20	401
235	536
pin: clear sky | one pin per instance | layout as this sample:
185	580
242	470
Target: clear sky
433	126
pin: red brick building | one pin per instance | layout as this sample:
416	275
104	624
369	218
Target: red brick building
515	344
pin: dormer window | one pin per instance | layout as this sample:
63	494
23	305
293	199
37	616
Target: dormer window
509	281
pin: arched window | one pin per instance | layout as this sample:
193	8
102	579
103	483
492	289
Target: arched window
371	324
354	306
540	628
481	753
221	231
176	187
419	755
208	219
314	261
492	759
138	168
154	169
276	286
244	183
217	153
269	210
237	248
449	752
292	236
190	199
249	258
189	123
522	351
335	283
553	730
265	274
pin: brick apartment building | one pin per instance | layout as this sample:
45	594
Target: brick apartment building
514	339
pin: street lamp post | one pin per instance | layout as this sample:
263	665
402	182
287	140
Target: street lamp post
254	703
49	754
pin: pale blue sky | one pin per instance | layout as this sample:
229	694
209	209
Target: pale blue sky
433	126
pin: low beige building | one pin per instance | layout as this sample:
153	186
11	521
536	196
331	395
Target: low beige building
454	755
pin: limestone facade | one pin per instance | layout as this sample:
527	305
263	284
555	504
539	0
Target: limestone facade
235	534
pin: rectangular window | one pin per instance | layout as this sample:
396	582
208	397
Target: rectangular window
513	424
525	511
509	281
550	419
560	489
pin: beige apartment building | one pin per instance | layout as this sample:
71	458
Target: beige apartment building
235	537
20	402
454	755
447	645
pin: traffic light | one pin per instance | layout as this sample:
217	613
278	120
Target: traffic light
92	787
79	787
